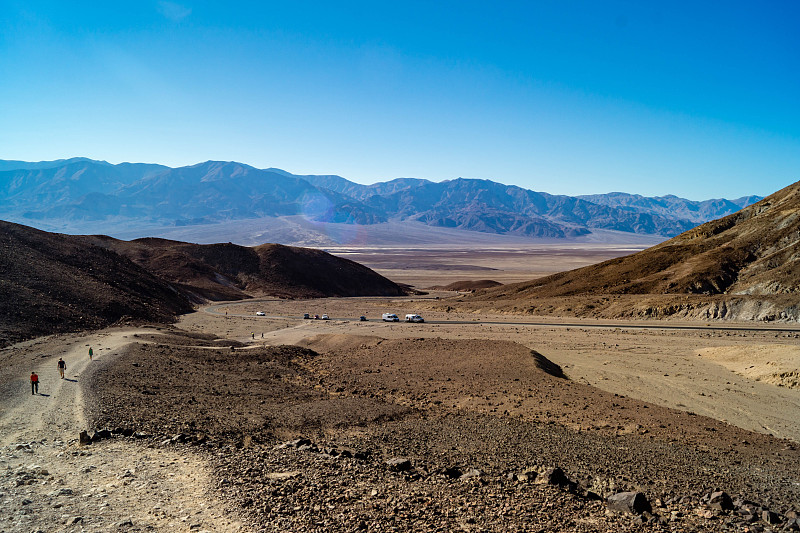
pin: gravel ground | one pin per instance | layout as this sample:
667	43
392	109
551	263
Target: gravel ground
406	435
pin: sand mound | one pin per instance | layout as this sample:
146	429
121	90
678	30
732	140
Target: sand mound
777	364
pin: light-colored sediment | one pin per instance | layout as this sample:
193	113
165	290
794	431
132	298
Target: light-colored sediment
51	483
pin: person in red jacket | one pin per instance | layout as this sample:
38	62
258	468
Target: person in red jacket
34	383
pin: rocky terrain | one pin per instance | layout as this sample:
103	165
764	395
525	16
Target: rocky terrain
743	266
361	433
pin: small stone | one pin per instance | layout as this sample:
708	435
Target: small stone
452	472
399	464
720	501
470	474
553	476
629	502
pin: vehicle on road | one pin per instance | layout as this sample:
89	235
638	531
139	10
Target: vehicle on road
306	316
325	317
362	318
390	317
412	317
261	313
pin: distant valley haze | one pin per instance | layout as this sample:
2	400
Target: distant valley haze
219	201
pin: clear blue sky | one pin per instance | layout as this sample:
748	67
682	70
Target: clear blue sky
699	99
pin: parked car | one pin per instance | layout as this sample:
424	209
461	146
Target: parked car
261	313
390	317
325	317
306	316
412	317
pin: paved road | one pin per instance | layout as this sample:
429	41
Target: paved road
737	327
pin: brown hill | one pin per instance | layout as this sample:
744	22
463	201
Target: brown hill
467	285
745	265
233	272
53	283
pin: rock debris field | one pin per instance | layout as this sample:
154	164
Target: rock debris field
360	433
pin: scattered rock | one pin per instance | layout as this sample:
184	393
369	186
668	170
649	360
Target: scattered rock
470	474
720	501
629	502
553	476
399	464
770	517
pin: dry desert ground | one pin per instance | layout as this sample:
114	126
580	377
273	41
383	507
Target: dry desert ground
468	422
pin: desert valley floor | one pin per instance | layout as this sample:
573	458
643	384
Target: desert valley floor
469	422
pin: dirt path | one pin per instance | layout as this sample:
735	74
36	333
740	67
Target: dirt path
48	482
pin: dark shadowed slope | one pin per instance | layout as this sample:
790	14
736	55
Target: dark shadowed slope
232	272
751	253
57	283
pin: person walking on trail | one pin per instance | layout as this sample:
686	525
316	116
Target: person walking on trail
34	383
62	366
91	353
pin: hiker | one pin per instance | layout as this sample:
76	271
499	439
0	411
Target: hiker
62	366
34	383
91	353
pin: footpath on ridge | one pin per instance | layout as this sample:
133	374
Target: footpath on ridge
49	482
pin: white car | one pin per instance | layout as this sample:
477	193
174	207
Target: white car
325	317
261	313
390	317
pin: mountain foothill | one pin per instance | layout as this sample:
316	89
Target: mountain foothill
53	283
742	266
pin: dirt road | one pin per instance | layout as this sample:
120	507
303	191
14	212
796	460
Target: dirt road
48	482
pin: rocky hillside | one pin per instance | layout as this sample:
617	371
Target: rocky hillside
53	283
232	272
752	253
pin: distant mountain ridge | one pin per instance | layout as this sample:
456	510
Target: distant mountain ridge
670	205
104	196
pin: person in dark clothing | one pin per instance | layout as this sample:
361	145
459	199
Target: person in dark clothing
34	383
62	366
